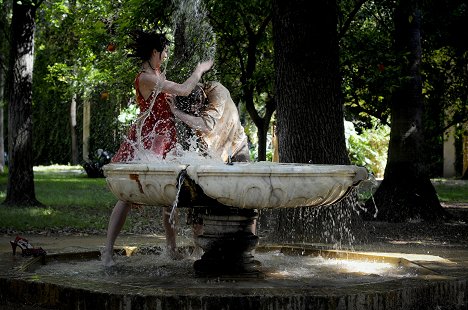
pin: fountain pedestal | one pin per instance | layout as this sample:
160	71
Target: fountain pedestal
228	240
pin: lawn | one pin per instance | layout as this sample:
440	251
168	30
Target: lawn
72	200
450	190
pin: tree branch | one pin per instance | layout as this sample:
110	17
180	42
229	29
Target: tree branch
350	18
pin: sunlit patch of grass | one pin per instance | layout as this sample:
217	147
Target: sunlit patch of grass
447	190
58	168
72	200
451	190
41	212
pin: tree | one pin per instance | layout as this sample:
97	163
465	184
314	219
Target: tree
445	72
20	189
90	71
307	84
366	62
370	68
406	192
245	57
4	39
309	105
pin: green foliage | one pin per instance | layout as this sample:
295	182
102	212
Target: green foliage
370	70
81	51
244	61
369	147
91	65
368	65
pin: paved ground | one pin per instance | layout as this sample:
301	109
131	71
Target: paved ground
439	250
442	280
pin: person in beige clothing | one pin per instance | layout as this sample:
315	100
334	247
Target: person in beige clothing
210	111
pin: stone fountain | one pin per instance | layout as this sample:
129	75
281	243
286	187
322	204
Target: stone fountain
304	276
227	197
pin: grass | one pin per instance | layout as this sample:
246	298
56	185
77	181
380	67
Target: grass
72	200
75	202
451	190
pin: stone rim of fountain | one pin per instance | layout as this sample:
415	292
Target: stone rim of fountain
257	184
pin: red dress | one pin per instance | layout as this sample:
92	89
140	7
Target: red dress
157	126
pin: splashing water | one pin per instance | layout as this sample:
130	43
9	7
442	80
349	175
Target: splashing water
153	268
338	224
180	180
195	40
365	191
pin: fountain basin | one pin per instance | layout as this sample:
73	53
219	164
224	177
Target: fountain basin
242	185
148	281
226	197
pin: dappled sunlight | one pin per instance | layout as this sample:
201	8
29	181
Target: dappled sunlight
59	170
67	179
36	212
55	168
330	268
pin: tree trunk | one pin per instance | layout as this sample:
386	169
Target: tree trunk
262	140
309	105
406	193
249	67
74	140
5	10
20	189
2	88
86	128
310	120
262	123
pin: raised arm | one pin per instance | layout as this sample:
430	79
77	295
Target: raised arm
185	88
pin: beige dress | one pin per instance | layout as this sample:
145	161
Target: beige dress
226	136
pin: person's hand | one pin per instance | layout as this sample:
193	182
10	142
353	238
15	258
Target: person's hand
205	66
171	100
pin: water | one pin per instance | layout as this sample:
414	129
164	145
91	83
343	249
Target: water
178	155
157	269
337	224
180	181
194	42
194	39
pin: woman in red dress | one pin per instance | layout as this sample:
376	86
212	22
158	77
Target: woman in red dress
154	131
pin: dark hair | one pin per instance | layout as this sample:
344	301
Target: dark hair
184	103
145	42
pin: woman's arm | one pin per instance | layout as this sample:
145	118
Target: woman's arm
194	122
158	83
185	88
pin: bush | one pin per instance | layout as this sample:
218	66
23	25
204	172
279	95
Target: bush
369	148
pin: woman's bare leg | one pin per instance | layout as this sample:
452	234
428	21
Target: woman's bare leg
116	222
171	233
